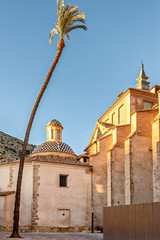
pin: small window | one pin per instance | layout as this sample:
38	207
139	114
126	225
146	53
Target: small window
63	180
85	160
58	134
98	146
113	118
52	134
99	133
147	105
121	114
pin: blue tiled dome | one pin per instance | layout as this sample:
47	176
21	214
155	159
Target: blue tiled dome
53	146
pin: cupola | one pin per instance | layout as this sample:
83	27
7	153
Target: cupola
54	140
142	80
54	131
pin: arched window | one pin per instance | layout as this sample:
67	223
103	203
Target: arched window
58	134
52	136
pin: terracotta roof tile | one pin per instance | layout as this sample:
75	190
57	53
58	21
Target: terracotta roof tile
55	159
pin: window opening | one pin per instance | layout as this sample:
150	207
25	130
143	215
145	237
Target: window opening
52	134
58	134
147	105
113	118
120	114
63	180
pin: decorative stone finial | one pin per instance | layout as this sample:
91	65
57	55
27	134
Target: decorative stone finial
142	80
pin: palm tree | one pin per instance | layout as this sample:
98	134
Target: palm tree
68	17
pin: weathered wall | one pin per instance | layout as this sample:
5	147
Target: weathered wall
115	167
127	146
131	100
138	98
141	170
2	205
156	158
125	102
51	199
93	149
138	158
8	210
99	163
117	179
8	180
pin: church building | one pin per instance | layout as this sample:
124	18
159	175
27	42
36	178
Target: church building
124	149
121	166
56	188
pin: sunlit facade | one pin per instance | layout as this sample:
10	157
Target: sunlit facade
124	149
121	165
56	189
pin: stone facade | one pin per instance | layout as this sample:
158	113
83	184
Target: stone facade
56	188
125	150
36	184
7	195
121	166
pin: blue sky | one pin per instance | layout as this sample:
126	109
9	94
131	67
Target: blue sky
95	65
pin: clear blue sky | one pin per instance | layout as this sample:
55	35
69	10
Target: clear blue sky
95	66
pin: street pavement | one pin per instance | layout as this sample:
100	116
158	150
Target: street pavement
55	236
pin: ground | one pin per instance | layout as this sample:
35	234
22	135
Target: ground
55	236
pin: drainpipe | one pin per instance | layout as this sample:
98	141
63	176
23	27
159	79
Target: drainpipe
92	206
92	219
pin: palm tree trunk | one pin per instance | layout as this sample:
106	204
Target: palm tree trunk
15	233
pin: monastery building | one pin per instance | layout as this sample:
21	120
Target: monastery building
121	166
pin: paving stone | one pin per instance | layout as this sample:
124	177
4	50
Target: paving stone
55	236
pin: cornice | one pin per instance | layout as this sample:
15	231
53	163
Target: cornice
123	95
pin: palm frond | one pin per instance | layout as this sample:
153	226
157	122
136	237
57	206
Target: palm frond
73	10
58	11
67	35
53	32
63	17
79	17
76	27
60	6
68	16
66	8
67	20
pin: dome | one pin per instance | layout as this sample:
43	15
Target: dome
54	122
53	146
